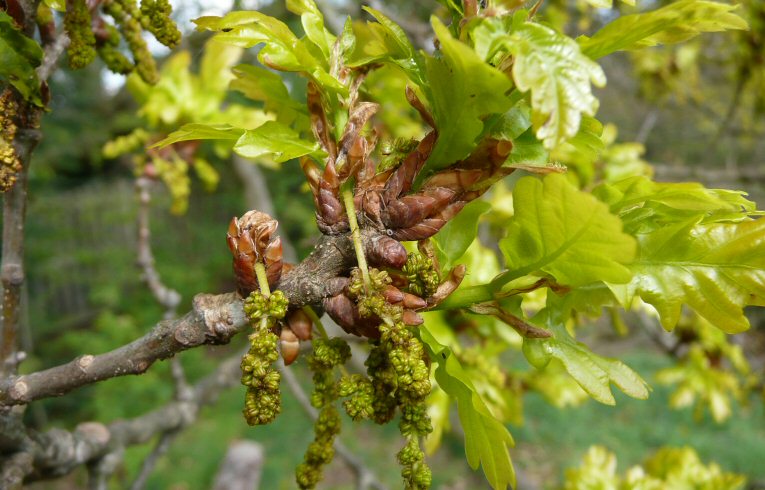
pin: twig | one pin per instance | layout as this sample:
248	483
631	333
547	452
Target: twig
14	219
151	460
51	56
14	469
241	468
647	126
214	319
165	296
365	477
57	452
731	112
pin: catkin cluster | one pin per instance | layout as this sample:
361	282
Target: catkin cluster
398	377
10	164
422	275
90	34
262	401
327	354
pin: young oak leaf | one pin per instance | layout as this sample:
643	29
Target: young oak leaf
716	269
19	55
486	438
384	40
644	205
275	139
313	24
559	76
462	89
676	22
593	372
282	49
565	233
453	240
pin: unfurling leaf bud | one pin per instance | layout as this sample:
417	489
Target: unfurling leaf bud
251	240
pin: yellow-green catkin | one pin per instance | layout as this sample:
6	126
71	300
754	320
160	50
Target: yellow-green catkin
127	16
155	17
10	164
82	41
327	354
262	401
422	275
109	52
398	374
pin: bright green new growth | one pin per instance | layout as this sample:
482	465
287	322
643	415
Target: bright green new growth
668	468
569	250
19	56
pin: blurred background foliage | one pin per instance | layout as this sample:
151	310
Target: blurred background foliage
694	111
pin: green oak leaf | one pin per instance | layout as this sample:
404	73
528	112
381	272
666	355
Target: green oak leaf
716	269
673	23
275	139
19	55
196	131
486	438
462	90
263	85
511	124
282	49
565	233
559	76
528	153
313	24
456	236
644	205
384	40
593	372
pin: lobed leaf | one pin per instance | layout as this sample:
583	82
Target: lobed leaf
593	372
553	68
565	233
528	153
384	40
673	23
716	269
486	438
462	90
19	55
282	49
313	24
266	86
274	139
644	205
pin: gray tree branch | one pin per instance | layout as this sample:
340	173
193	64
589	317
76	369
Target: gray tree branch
14	220
57	452
214	319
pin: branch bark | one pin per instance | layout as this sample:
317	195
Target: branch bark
14	219
214	319
57	452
